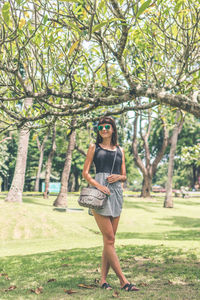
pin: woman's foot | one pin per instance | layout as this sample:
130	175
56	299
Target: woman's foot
106	286
130	287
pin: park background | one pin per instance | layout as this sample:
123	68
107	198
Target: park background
63	64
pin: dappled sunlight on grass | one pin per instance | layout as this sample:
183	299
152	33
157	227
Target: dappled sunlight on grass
157	271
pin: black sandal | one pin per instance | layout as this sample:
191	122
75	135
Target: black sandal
106	286
130	287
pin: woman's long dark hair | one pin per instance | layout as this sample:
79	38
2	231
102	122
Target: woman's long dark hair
111	121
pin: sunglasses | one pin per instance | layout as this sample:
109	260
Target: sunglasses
107	127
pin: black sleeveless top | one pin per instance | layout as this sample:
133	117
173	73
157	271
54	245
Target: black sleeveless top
103	160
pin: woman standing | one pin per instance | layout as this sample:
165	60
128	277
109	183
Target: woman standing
107	219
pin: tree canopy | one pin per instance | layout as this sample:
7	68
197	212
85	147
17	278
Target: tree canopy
78	57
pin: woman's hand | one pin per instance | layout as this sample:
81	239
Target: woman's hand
103	189
113	178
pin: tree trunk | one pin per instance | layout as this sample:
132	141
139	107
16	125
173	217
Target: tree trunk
168	203
148	169
5	183
49	164
41	149
17	186
61	199
146	186
194	178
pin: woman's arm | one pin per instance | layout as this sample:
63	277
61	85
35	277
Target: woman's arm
122	177
86	170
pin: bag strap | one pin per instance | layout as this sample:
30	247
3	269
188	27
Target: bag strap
114	161
113	165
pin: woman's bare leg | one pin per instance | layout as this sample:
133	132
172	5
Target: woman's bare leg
105	264
105	225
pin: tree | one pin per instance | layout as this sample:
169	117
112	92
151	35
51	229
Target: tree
191	157
168	203
149	168
188	140
41	151
61	199
4	156
49	163
185	171
17	186
22	74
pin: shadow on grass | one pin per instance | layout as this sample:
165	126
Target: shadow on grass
190	202
167	235
184	222
36	202
157	271
138	205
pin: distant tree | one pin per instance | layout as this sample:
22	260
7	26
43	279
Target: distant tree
191	157
134	177
41	147
187	149
4	157
147	165
185	170
49	163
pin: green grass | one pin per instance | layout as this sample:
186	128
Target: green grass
158	249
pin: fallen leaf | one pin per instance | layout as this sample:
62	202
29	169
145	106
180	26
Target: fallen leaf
85	286
37	291
51	280
12	287
70	291
143	284
115	294
176	282
65	265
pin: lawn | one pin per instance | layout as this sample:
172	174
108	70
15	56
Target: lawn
49	254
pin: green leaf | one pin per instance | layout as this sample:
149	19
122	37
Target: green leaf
178	5
144	6
5	12
45	19
102	3
98	26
